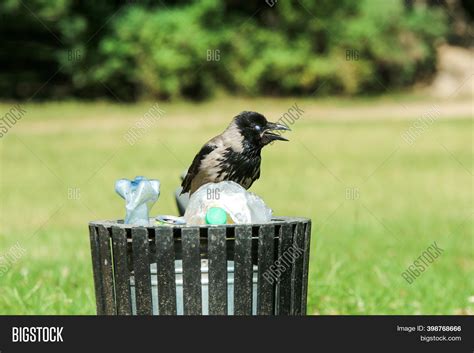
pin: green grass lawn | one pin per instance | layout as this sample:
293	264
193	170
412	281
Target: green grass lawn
404	197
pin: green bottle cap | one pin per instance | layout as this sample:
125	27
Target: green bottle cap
216	215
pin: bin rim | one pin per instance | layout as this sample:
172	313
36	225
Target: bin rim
275	221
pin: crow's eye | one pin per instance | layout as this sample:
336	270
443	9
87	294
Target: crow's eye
258	127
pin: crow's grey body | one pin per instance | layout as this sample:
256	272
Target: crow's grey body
225	157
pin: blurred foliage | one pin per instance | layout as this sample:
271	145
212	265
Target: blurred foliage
170	49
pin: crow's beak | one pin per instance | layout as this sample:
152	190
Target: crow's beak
271	136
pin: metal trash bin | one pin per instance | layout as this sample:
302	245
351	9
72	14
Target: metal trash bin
258	269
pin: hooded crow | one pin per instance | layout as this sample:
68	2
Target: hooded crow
233	155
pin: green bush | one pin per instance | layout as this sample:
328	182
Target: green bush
158	53
193	50
289	49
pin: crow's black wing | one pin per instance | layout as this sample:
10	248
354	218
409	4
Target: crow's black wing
195	166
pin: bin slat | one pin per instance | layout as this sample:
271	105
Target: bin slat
307	244
121	271
95	251
192	301
266	288
106	269
141	270
243	271
165	271
297	276
284	283
217	271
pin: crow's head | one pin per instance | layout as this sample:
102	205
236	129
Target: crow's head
256	130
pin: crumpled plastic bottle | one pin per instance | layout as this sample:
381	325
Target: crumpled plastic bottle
242	206
140	195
